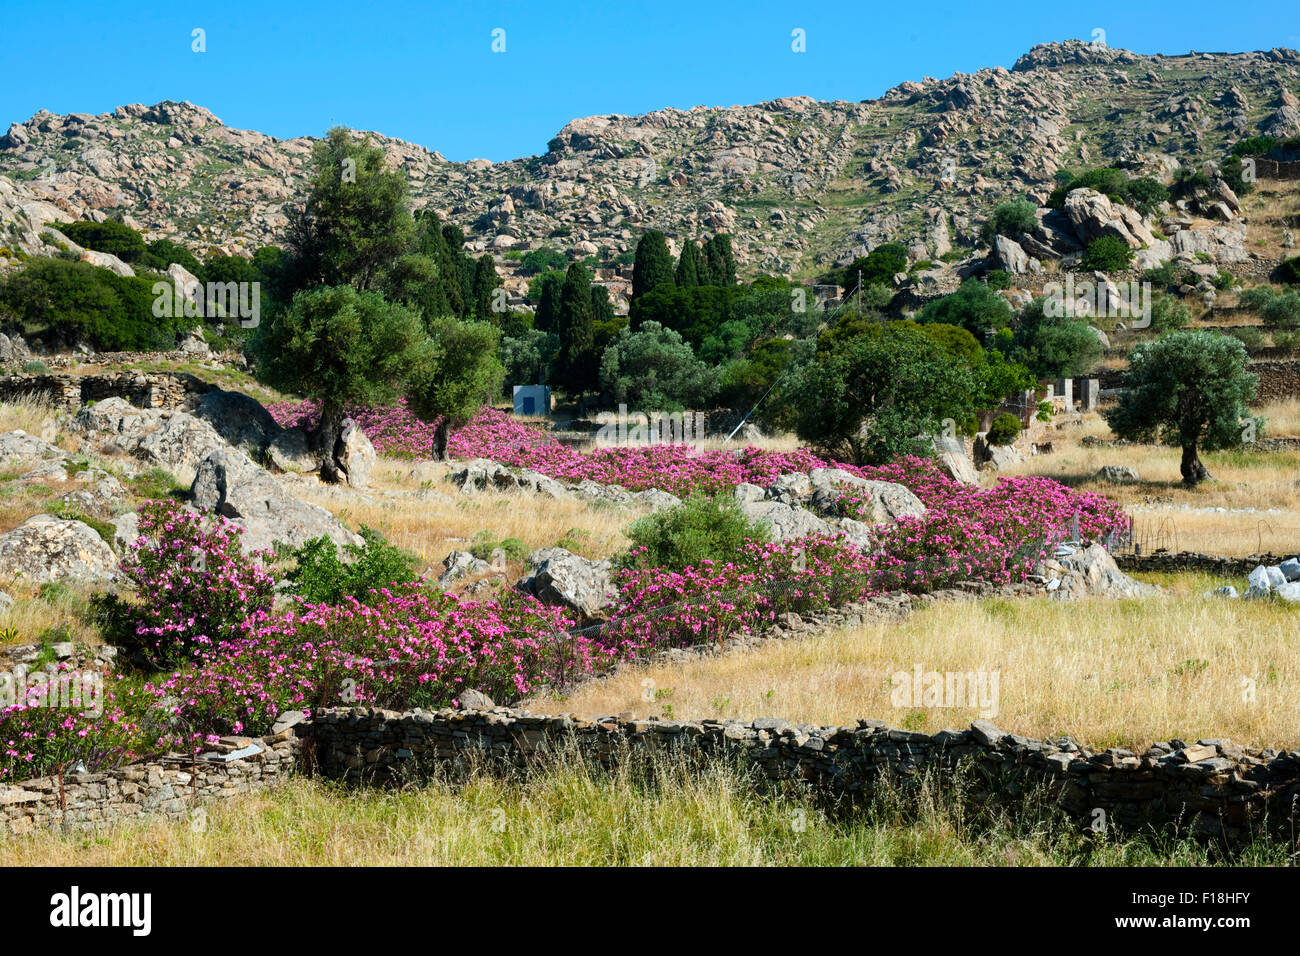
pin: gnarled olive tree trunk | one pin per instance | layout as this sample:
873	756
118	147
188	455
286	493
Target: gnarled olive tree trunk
1192	470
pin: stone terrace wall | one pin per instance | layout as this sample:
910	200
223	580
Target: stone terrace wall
1212	787
1277	380
170	788
1196	561
144	390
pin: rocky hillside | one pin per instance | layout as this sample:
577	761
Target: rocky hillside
800	183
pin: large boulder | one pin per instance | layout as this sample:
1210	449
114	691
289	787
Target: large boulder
950	452
581	586
1093	215
45	548
169	439
229	483
238	418
17	448
883	501
291	451
355	455
1091	571
785	522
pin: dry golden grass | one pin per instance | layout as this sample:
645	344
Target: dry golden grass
574	815
1107	673
443	520
1168	514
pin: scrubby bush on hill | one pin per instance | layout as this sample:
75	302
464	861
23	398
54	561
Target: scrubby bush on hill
702	529
1107	254
1004	429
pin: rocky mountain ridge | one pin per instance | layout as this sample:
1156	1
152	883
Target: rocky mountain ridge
799	183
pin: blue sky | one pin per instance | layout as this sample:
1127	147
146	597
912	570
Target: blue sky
426	72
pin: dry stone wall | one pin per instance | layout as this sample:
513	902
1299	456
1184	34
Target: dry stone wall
1211	788
1196	561
142	389
170	788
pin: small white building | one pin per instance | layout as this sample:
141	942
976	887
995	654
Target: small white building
533	400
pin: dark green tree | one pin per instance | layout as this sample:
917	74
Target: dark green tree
486	281
719	262
690	266
355	224
1190	389
653	266
341	347
868	397
460	375
575	326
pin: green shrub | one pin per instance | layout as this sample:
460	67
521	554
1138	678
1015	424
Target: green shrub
1010	219
35	367
1289	271
1250	336
1004	429
1282	311
700	529
998	279
320	577
485	543
1107	254
1168	313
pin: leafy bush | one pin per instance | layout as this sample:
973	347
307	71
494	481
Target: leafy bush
194	585
998	279
1107	253
320	577
653	369
1250	336
975	307
35	367
699	530
1004	429
1168	313
1010	219
485	543
111	237
66	302
1288	271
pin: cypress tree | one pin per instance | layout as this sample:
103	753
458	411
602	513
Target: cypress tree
690	267
720	263
653	265
576	330
602	309
485	282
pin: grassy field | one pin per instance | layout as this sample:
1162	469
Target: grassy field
1106	673
575	815
1166	513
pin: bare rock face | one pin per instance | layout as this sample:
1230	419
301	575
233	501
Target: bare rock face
19	449
1094	215
785	522
45	548
355	455
581	586
167	439
954	461
290	451
1090	571
229	483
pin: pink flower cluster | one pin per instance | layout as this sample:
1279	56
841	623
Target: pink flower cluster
37	738
416	648
660	608
197	584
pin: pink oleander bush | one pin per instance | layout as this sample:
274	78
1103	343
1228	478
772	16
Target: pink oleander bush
661	608
195	585
416	648
37	738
